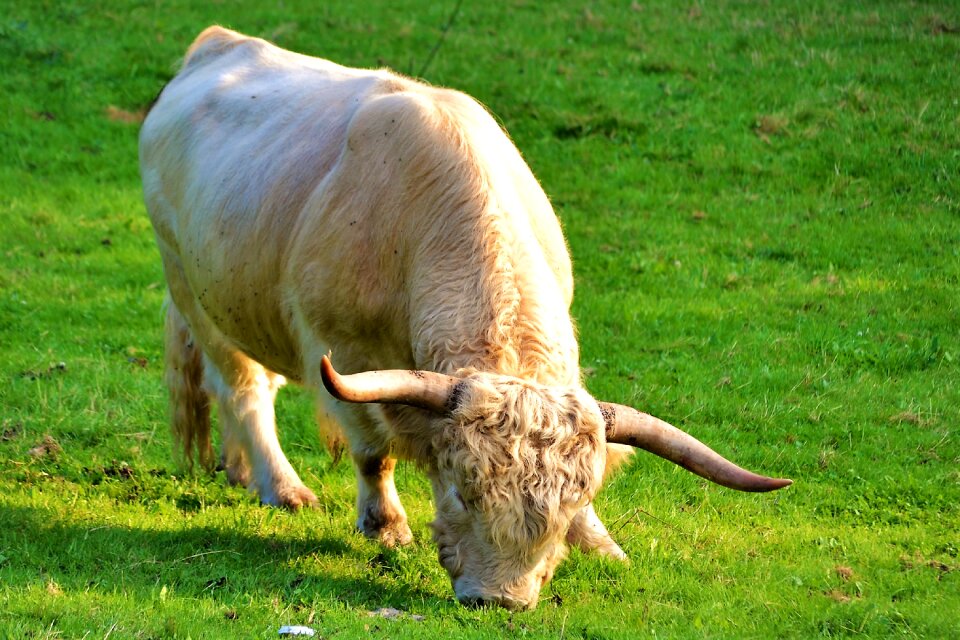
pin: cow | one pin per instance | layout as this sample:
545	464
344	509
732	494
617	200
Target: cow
304	210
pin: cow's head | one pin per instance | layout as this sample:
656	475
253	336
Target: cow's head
513	462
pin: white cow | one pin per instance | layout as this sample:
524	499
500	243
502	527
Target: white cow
303	208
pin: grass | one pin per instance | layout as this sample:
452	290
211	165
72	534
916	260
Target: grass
762	204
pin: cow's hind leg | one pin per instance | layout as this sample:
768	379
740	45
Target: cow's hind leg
245	392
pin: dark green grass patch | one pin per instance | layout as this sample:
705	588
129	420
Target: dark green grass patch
762	204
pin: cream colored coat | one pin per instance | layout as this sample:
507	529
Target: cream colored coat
301	207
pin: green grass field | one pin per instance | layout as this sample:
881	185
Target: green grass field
762	201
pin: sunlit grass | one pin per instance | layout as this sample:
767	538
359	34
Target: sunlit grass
761	201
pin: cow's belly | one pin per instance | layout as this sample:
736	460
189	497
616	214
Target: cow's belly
226	294
240	295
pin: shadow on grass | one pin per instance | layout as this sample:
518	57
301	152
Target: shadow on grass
199	562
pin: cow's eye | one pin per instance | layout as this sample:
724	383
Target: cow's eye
457	498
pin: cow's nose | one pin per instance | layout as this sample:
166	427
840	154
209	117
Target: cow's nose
506	602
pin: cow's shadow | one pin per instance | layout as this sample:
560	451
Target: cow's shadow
203	561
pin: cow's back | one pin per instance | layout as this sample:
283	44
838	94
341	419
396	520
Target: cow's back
230	154
306	206
245	132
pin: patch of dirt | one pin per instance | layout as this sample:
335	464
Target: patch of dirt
844	572
837	595
940	566
118	470
603	125
906	416
54	369
48	448
390	613
824	458
909	563
216	583
938	26
140	362
116	114
42	115
11	431
770	125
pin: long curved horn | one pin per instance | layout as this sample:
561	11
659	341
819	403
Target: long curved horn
423	389
626	425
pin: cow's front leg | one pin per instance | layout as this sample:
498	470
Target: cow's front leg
588	533
380	514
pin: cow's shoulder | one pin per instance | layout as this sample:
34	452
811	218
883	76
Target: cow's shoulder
397	112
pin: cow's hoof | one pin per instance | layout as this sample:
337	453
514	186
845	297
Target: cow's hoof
588	533
292	498
390	534
612	550
234	466
237	475
602	545
397	534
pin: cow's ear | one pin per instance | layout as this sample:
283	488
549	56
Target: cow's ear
625	425
428	390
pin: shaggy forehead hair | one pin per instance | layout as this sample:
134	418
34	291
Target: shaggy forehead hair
528	457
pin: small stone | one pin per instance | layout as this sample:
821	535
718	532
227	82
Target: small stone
297	630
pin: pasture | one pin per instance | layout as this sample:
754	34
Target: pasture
762	202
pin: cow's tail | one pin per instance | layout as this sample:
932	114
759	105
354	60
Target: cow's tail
189	402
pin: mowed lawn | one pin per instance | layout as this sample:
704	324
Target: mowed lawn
762	201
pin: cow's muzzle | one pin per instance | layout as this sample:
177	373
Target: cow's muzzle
506	602
471	594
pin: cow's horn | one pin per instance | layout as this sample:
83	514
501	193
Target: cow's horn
424	389
629	426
